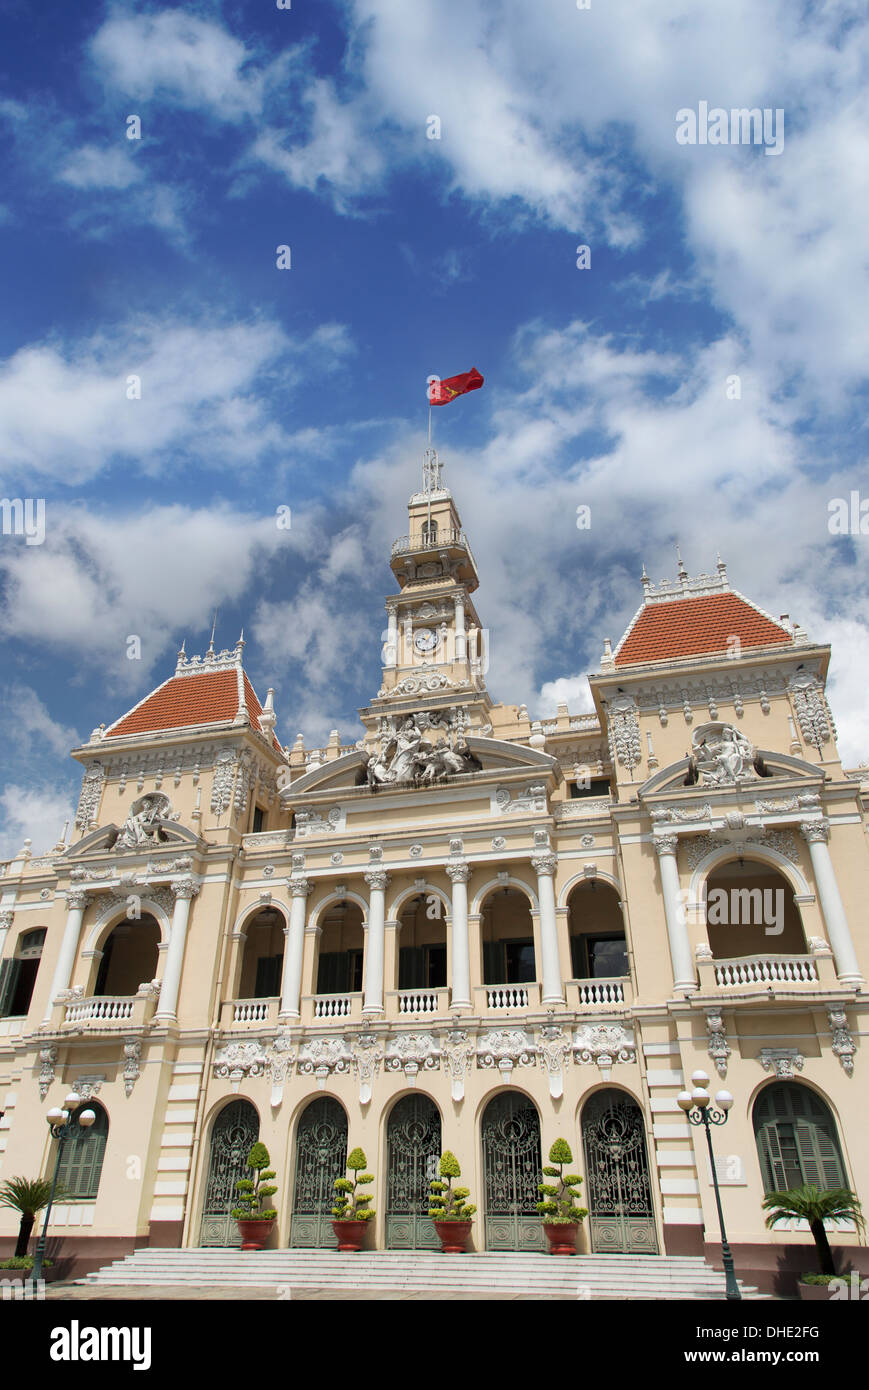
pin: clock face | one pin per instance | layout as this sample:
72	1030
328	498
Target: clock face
425	640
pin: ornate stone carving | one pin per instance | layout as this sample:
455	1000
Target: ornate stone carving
132	1054
47	1063
498	842
411	1051
6	917
88	1086
405	757
76	900
815	831
505	1048
145	825
666	844
604	1044
531	798
544	865
313	823
811	709
323	1056
780	840
91	793
415	851
703	952
458	873
721	754
239	1059
624	731
185	887
376	879
843	1040
554	1055
367	1056
696	847
718	1048
300	887
663	815
776	805
457	1050
784	1061
221	786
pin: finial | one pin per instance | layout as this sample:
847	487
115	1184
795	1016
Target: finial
683	573
646	581
210	651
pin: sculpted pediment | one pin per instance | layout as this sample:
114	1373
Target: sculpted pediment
722	756
150	824
410	760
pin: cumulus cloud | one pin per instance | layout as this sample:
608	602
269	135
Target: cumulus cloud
35	813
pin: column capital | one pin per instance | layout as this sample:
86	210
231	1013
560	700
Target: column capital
377	879
666	844
544	865
300	887
815	832
458	873
185	888
77	899
6	918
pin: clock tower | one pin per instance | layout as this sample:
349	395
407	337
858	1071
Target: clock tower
435	649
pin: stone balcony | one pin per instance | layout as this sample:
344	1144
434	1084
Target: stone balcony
104	1013
768	975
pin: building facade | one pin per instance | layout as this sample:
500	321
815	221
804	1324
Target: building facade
467	930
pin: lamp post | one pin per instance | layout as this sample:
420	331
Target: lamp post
699	1111
64	1124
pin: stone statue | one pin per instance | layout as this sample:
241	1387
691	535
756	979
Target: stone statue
721	754
405	758
143	825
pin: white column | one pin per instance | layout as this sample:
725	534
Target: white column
391	637
76	902
294	949
461	640
185	889
377	880
553	987
684	978
460	996
816	833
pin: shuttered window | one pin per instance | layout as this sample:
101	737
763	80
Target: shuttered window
796	1139
82	1160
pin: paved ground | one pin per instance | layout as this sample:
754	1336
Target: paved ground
123	1292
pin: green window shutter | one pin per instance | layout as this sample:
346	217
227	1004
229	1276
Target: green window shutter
494	968
411	967
9	971
82	1160
268	977
796	1139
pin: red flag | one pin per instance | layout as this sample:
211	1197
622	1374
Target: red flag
442	392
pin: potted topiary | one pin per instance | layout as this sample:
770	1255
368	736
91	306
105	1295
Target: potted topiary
351	1210
560	1212
448	1209
255	1222
812	1204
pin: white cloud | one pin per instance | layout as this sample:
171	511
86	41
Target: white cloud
65	411
35	813
29	726
92	167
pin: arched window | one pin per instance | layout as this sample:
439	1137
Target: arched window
18	974
82	1160
129	958
508	938
429	533
796	1139
263	956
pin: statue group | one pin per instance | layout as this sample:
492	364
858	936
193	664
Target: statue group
407	758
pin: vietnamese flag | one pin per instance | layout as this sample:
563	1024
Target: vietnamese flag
442	392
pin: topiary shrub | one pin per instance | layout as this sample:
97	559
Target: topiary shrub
351	1205
560	1207
250	1194
447	1203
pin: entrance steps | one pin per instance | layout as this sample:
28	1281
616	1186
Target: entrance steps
423	1272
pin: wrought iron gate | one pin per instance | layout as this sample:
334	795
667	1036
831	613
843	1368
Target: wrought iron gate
321	1157
513	1168
618	1192
413	1147
235	1130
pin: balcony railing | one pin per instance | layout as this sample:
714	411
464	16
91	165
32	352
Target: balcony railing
248	1013
108	1011
443	540
507	998
764	970
601	995
413	1002
318	1008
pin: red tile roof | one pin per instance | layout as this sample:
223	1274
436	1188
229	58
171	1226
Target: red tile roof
207	697
696	626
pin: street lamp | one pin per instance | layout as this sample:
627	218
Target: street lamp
700	1111
64	1124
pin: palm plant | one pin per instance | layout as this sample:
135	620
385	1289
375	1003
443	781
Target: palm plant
28	1196
810	1203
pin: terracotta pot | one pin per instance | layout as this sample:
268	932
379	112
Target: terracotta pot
255	1234
350	1234
561	1236
453	1236
813	1293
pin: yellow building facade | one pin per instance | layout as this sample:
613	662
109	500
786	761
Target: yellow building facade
468	930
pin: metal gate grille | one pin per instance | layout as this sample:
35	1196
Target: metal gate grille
236	1130
321	1157
621	1215
513	1169
413	1152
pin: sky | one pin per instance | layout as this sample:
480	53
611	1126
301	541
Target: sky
698	373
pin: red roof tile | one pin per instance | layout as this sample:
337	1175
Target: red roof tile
208	697
696	626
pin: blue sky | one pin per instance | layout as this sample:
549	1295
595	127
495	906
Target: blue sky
607	386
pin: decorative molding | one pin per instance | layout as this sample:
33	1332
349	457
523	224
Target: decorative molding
784	1061
321	1057
721	755
811	709
377	879
458	873
782	841
623	728
132	1055
505	1048
816	832
604	1044
92	786
843	1040
410	1052
367	1056
88	1086
696	847
554	1055
718	1048
458	1052
48	1061
668	814
531	798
